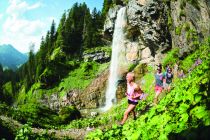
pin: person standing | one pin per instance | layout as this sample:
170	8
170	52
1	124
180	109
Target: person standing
169	77
159	78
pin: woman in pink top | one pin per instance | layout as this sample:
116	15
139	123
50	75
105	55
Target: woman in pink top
133	92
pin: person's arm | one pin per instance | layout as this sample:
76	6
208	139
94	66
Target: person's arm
126	94
164	77
138	90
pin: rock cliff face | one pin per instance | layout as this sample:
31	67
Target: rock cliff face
188	21
155	26
100	56
110	20
94	95
147	33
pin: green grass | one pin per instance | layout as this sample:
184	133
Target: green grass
171	57
80	78
182	110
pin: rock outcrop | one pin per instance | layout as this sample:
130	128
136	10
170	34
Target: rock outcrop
191	24
100	56
147	33
147	22
94	95
110	21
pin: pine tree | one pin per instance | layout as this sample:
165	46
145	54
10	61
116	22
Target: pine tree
52	36
60	33
31	65
40	59
97	24
87	30
74	29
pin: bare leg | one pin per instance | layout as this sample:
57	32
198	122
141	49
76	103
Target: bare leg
129	109
169	88
156	97
134	114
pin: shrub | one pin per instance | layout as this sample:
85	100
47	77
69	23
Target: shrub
171	57
67	114
182	14
37	115
178	30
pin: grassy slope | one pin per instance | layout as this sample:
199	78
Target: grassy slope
178	114
77	79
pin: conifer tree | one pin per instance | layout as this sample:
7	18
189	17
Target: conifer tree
60	33
52	36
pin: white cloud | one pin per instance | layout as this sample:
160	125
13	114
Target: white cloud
19	31
18	7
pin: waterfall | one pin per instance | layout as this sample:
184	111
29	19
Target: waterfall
117	45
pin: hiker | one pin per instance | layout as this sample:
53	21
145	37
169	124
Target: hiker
159	78
159	65
175	69
181	74
168	79
167	67
197	62
133	94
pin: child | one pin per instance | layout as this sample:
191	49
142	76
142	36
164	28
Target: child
169	76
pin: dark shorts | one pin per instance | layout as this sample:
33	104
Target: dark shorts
132	102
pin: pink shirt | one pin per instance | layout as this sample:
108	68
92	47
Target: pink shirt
131	92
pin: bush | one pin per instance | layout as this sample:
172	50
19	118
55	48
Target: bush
67	114
25	133
37	115
182	14
178	30
171	57
81	77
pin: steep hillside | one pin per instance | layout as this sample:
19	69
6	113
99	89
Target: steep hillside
184	113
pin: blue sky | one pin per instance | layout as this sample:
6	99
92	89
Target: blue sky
24	22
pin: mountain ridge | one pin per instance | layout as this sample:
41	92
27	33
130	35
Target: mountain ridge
10	58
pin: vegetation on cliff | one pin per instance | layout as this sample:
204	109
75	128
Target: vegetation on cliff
182	113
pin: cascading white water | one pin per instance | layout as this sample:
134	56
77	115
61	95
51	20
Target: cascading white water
117	45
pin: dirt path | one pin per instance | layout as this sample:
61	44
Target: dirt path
14	126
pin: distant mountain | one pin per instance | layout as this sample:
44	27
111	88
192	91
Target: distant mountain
11	58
